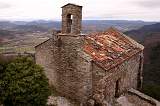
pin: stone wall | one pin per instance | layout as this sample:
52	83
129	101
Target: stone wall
74	74
141	99
68	68
136	98
44	57
104	82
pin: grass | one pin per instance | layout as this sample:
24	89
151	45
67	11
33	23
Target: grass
1	49
24	49
7	49
19	49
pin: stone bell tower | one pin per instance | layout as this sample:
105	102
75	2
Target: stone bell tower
71	19
71	80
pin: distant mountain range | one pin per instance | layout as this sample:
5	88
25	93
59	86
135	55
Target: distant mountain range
23	27
88	25
102	25
145	32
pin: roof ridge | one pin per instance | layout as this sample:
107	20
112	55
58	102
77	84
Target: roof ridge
72	4
43	42
127	37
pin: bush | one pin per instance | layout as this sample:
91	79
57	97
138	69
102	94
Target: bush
24	84
152	90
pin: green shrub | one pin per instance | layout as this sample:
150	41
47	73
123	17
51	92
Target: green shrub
24	84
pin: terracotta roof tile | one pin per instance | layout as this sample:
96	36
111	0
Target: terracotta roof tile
110	48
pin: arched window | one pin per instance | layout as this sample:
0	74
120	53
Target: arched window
69	23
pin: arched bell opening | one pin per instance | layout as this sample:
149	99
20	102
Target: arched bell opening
69	23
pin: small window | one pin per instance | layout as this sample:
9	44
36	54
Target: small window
117	88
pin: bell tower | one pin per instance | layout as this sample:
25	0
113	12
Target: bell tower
71	19
66	53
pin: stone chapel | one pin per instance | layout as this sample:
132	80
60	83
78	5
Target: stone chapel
97	67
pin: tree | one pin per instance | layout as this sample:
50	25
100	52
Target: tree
151	85
24	84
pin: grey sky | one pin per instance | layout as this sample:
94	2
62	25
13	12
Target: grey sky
4	5
147	10
149	3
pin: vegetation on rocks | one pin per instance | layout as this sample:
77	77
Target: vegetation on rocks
152	74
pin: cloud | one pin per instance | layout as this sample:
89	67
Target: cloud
92	9
4	5
148	3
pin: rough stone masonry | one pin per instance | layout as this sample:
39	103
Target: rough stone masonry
93	69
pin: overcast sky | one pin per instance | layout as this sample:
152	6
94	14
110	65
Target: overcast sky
147	10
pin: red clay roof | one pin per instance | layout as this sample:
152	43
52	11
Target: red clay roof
110	48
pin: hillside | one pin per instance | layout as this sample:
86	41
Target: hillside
6	25
6	34
26	27
144	32
30	28
149	36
